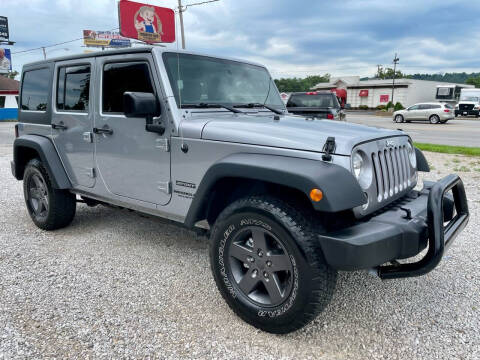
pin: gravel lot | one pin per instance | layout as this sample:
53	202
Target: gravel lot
117	284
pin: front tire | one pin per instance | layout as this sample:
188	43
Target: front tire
268	266
49	208
398	119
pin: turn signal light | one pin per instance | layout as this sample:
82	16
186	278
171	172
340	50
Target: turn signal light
316	195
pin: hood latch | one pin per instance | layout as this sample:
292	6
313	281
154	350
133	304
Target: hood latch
329	148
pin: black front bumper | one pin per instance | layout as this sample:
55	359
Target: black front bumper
402	231
467	112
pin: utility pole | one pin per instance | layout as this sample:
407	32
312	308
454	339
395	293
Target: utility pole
180	14
379	70
395	62
44	53
181	10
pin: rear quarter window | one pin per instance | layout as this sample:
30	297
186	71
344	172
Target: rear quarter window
35	90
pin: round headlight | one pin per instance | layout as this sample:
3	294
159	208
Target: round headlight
412	156
357	164
362	169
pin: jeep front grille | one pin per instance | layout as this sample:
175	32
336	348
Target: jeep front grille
392	171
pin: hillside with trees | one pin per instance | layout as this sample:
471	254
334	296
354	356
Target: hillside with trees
299	84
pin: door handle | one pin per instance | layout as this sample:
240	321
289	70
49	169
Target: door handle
59	126
105	130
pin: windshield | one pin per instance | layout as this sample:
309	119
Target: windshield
313	100
205	80
469	98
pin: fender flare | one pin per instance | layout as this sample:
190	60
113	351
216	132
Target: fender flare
48	155
422	163
341	190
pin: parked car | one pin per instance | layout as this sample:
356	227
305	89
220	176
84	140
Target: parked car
435	113
206	141
469	103
316	105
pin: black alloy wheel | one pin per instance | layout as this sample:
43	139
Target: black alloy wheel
261	266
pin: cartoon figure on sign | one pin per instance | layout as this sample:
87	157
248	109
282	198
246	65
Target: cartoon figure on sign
145	19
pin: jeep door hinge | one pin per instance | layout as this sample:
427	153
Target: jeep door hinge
164	186
163	143
91	172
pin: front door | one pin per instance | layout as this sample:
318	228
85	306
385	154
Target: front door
132	162
424	111
413	113
72	119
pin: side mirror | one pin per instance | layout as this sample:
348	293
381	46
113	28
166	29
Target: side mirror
140	104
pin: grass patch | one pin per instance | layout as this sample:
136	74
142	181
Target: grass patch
448	149
462	169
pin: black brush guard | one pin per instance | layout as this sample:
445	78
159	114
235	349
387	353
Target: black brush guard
440	237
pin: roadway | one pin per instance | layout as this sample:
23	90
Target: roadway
460	131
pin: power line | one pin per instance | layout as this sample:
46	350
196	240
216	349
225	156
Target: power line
200	3
47	46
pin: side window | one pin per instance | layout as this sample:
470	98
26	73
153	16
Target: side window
436	106
121	77
73	87
2	102
425	107
414	107
35	86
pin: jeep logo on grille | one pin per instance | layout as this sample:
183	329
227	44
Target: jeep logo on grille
389	143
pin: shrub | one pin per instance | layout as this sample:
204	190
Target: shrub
389	105
381	107
398	106
363	107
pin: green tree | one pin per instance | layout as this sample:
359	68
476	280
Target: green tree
387	73
473	81
11	74
300	84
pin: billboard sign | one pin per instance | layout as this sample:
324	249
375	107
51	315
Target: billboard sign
104	38
5	61
3	28
152	24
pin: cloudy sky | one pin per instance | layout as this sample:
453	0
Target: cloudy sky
293	38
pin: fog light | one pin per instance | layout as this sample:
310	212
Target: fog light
316	195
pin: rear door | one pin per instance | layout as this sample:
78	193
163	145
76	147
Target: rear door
132	162
72	119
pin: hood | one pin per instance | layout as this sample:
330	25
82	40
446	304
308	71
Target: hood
292	132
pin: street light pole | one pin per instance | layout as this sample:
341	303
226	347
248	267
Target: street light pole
395	62
180	14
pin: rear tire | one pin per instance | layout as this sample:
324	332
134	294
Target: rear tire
434	119
268	266
49	208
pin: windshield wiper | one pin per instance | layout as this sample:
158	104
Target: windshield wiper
211	105
253	105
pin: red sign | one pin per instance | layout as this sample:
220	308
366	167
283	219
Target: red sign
363	93
383	98
147	23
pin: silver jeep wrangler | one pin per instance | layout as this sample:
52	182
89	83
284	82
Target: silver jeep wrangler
207	141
